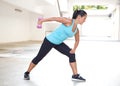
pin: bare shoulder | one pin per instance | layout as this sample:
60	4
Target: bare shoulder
67	21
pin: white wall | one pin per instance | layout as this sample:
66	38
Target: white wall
14	26
21	26
116	23
98	25
35	33
18	26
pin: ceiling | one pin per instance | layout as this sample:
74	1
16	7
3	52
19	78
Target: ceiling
45	6
42	7
112	2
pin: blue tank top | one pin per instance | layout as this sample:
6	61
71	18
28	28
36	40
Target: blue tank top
61	33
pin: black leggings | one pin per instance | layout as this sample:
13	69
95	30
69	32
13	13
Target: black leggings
47	46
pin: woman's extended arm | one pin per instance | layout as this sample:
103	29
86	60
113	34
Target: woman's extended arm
76	42
63	20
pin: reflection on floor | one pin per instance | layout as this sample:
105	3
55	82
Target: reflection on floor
98	62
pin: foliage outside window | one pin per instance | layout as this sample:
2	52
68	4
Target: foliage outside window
89	7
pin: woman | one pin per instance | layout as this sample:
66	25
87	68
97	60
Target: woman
67	29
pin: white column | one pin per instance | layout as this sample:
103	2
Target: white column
116	24
119	22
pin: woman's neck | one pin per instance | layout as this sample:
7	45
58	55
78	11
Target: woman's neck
75	22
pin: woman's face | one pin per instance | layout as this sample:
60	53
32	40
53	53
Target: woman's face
81	20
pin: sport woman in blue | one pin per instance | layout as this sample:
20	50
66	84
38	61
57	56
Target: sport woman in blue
68	28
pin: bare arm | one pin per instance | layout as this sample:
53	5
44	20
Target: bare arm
63	20
76	42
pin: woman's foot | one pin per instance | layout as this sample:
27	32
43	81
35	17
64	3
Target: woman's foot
77	77
26	76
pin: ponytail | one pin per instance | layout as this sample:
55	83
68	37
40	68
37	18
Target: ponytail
75	14
78	12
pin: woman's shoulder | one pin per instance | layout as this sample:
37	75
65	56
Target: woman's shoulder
68	21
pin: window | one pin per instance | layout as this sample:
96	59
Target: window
90	7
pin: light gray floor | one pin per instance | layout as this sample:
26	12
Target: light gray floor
98	62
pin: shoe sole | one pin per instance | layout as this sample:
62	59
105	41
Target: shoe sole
26	79
78	80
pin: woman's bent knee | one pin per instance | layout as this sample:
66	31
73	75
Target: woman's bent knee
72	58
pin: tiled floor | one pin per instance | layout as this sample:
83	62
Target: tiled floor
98	62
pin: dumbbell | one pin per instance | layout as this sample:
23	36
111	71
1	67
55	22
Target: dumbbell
39	25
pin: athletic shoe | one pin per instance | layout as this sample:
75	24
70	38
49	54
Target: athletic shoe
26	76
77	77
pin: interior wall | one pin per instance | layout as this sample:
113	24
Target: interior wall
116	23
36	34
18	26
97	25
14	26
